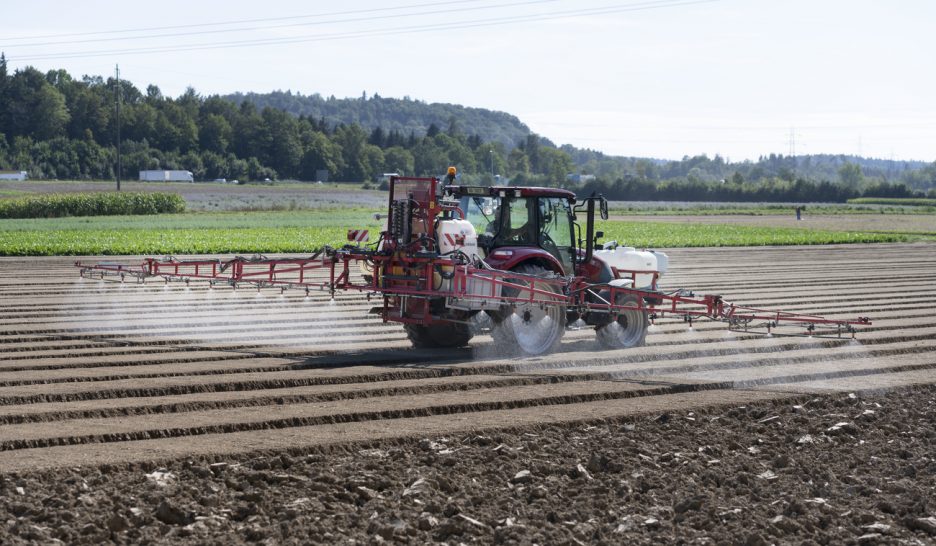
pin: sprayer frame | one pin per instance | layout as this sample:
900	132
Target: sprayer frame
405	262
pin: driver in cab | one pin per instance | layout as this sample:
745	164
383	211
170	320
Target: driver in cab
516	226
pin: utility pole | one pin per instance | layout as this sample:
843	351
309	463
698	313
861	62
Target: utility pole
793	150
117	97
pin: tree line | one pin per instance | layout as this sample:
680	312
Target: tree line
631	188
414	116
404	115
56	126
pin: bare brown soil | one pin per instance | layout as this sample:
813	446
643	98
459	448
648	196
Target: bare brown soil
885	223
164	414
214	197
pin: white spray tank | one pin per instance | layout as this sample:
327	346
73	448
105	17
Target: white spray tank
456	235
627	260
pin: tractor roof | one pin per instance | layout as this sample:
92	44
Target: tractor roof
525	191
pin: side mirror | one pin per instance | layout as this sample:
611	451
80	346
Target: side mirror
604	208
598	235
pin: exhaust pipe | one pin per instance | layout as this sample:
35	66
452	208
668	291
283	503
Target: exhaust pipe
590	229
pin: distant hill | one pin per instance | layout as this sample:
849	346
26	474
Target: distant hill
403	115
415	116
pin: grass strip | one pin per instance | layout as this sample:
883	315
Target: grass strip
906	201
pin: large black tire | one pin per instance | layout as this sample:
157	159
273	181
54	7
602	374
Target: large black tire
629	330
529	329
441	334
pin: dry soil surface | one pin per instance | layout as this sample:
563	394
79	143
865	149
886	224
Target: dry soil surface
145	413
886	223
219	197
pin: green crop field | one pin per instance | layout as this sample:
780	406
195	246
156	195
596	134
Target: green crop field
188	233
346	218
318	216
305	231
91	204
170	241
664	235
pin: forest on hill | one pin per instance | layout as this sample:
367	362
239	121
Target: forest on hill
405	116
56	126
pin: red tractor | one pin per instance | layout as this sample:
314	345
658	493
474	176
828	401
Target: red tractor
517	258
533	232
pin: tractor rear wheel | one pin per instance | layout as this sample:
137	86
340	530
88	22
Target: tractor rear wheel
630	328
440	334
532	328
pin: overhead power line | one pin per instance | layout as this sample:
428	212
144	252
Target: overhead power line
240	21
743	128
414	29
643	139
138	37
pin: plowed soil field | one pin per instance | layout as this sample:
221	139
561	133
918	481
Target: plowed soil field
919	224
151	412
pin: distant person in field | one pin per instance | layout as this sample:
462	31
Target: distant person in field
799	212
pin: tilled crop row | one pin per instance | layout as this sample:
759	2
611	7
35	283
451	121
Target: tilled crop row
93	370
738	358
636	365
329	409
294	395
225	420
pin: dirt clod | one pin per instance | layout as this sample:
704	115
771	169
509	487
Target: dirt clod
366	493
117	523
170	514
524	476
927	525
687	504
427	522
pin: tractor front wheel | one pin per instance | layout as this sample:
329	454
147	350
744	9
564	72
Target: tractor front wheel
533	328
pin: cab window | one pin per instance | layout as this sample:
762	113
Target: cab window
518	225
481	212
556	230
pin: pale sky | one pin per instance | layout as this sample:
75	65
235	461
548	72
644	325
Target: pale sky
655	78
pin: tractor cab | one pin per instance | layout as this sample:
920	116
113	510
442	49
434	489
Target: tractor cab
533	232
517	225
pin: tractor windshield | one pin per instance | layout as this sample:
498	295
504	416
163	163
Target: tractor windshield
516	224
481	212
556	230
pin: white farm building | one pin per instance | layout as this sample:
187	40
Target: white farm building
166	176
13	175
